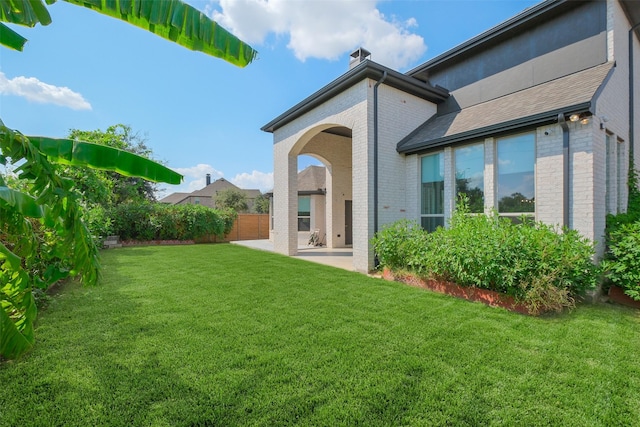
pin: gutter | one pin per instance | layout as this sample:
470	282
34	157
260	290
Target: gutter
366	69
375	152
541	119
565	169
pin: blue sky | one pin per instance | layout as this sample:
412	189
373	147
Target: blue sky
201	114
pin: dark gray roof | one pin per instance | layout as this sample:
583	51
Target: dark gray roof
366	69
174	198
312	180
532	106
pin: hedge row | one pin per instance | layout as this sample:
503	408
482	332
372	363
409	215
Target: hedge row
541	266
155	221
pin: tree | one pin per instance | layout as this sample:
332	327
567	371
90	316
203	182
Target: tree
44	203
261	204
232	199
110	188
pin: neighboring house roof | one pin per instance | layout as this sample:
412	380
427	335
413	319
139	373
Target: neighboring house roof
536	105
210	192
312	180
211	189
174	198
366	69
251	194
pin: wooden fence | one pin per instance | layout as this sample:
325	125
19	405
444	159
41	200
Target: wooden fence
249	227
246	227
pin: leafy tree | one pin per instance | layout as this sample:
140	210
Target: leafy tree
261	204
43	237
111	188
232	199
517	202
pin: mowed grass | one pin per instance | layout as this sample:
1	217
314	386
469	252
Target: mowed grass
220	335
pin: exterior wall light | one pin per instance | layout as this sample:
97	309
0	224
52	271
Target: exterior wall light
585	120
574	117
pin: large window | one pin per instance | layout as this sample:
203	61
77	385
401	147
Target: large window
470	175
516	178
432	192
304	213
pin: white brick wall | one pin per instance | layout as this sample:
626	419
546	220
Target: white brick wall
549	175
349	163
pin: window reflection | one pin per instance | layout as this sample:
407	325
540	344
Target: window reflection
516	183
470	175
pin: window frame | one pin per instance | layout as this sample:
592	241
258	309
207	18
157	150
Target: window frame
437	216
514	216
455	173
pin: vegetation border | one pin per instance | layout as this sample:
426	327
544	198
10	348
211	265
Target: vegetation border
485	296
617	295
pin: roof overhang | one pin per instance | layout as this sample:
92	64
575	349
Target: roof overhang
549	117
365	70
531	107
528	18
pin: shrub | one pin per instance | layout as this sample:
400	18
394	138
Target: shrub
622	265
539	265
396	244
156	221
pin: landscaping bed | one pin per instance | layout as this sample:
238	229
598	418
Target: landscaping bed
485	296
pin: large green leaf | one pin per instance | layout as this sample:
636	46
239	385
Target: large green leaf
170	19
17	306
11	39
78	153
23	203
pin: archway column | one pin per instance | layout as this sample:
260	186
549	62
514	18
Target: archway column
285	203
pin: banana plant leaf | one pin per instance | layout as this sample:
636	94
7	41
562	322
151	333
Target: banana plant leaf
14	342
11	39
170	19
79	153
17	307
23	203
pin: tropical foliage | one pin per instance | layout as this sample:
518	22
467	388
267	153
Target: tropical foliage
107	188
43	237
169	19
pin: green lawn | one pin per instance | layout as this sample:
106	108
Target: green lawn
210	335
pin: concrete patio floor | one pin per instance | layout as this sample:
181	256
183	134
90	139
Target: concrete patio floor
335	257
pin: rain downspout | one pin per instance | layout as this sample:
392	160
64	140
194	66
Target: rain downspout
565	169
631	95
375	152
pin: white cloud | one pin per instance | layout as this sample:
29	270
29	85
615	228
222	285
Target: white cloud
36	91
323	29
194	178
254	180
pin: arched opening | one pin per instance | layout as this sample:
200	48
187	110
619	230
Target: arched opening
318	173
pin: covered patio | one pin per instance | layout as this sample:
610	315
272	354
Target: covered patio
334	257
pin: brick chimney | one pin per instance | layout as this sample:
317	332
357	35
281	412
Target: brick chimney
208	178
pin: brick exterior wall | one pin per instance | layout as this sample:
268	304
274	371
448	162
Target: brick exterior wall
349	164
350	161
